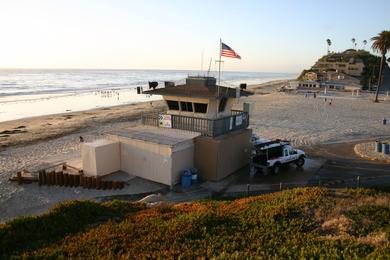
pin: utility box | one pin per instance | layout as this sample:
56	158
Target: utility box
100	157
248	107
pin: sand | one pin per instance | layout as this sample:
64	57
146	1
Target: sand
32	129
304	121
309	121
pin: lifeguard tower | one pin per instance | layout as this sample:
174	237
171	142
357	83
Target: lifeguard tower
197	129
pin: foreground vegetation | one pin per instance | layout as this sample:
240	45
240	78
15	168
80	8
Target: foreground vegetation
309	223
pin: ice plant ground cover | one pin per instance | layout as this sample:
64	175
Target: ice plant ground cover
305	222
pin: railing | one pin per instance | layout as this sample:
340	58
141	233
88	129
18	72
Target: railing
236	112
208	127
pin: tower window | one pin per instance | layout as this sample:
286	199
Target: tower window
173	105
200	108
186	106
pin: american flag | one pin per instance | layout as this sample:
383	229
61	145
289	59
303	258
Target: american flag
226	51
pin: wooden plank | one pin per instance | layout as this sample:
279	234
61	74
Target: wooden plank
40	178
66	179
44	177
98	182
48	178
93	183
82	181
56	178
89	182
76	180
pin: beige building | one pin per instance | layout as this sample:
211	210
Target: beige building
100	157
354	67
156	154
311	76
199	129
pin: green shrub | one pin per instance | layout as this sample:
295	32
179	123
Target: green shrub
25	233
281	225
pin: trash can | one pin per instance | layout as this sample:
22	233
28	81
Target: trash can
385	148
378	146
186	179
194	176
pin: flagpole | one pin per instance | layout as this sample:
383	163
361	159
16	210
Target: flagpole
219	66
220	57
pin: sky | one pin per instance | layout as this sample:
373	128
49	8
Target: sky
270	36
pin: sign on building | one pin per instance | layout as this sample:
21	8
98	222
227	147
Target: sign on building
239	120
165	121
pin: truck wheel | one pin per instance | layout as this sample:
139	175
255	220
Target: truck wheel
276	168
300	162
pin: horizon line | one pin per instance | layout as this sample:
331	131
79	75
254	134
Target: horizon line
124	69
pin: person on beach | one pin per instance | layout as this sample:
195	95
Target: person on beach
81	139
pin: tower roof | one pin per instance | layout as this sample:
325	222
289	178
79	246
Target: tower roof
204	87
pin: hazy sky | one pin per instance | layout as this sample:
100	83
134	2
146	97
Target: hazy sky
277	36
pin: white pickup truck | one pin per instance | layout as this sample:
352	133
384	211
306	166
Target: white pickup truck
273	154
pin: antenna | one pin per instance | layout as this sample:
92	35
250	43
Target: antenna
208	72
201	62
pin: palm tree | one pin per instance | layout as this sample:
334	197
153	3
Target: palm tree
353	42
329	42
364	44
381	43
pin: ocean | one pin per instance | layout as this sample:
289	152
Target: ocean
26	93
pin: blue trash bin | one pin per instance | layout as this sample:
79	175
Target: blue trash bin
385	148
186	179
378	146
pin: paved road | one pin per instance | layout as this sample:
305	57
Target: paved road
342	167
330	165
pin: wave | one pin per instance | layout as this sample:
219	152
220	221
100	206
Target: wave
46	82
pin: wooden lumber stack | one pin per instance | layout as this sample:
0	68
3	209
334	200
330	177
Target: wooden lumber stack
76	180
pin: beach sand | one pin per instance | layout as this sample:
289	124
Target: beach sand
304	121
309	121
23	131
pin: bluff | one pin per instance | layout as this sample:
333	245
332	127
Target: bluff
358	65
